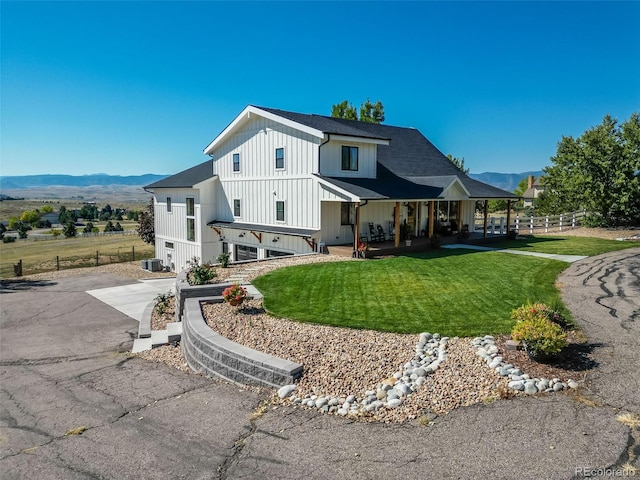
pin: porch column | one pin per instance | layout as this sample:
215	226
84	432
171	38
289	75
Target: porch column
356	230
486	216
459	216
431	219
397	225
508	215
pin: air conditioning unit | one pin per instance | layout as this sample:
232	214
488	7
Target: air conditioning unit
155	265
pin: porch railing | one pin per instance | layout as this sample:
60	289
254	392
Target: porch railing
531	224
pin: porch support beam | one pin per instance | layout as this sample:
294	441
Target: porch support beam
459	216
486	217
431	219
396	223
508	215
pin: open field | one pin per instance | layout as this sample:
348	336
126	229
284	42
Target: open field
117	196
39	256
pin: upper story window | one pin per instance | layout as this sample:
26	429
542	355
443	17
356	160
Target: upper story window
169	204
279	158
349	158
279	211
191	207
236	207
236	162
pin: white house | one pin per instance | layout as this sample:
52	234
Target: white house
533	191
282	183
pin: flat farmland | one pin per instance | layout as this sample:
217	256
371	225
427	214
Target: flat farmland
40	255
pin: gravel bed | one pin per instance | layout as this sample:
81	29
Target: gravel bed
341	361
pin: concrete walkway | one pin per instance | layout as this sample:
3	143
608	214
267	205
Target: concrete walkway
552	256
132	299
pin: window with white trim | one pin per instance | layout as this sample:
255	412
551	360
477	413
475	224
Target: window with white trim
191	220
168	204
279	211
279	158
236	207
349	158
236	162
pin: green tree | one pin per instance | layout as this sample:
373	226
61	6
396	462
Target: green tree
458	162
109	227
599	172
369	112
22	228
145	227
344	110
30	216
70	230
13	223
88	228
2	230
522	187
372	112
47	209
118	227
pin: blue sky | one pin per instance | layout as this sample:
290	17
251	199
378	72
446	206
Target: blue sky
128	88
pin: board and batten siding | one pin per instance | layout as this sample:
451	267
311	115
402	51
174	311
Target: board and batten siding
256	142
171	227
331	159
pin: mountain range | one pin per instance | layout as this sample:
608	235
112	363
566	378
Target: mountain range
505	181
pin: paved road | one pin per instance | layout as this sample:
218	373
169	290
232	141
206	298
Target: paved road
63	364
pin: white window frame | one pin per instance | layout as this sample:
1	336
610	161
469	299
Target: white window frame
233	163
239	200
283	159
284	211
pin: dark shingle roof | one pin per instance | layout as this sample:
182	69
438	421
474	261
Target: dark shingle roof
187	178
326	124
409	167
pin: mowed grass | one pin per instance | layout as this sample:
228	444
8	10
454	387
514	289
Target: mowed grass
588	246
40	255
453	292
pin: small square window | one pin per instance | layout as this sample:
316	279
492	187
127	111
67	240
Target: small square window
279	157
280	211
236	207
350	158
168	204
191	207
168	244
236	162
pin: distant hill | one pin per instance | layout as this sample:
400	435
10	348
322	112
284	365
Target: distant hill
39	181
505	181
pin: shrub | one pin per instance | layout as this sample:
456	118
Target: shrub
234	295
162	302
224	258
200	274
6	239
540	336
552	313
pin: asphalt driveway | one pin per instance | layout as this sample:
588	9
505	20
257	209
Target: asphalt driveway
64	364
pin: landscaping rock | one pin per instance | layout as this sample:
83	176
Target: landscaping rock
287	390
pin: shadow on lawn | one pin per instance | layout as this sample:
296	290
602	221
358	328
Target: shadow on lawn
12	286
524	241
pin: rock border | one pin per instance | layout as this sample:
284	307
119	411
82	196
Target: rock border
430	353
486	349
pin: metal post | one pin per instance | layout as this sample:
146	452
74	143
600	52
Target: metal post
97	254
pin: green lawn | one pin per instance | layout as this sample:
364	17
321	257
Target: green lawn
566	245
452	292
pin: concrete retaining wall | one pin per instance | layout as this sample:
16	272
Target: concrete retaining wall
210	353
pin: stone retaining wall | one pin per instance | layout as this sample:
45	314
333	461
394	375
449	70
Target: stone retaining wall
210	353
185	291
